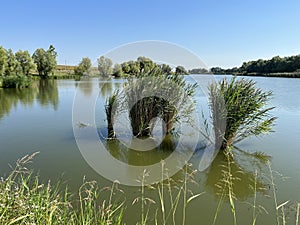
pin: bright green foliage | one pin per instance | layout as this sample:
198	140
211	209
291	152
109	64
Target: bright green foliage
146	64
3	61
239	110
13	67
143	65
105	66
16	81
134	68
274	65
83	67
25	61
45	60
125	67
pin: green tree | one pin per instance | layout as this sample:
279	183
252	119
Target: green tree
125	67
180	70
3	60
146	64
45	60
105	66
117	71
13	67
134	68
25	61
198	71
166	69
83	67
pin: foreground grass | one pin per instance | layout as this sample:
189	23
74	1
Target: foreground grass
24	200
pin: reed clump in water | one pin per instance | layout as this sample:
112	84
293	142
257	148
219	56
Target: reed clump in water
239	110
151	95
110	110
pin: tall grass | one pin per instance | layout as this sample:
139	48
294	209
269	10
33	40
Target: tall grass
110	110
227	192
239	110
154	94
172	197
24	200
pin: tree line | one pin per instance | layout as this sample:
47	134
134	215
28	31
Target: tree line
134	68
277	64
22	63
44	62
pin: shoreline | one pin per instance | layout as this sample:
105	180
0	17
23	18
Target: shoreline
271	75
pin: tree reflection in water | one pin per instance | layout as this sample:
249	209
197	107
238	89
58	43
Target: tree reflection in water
141	158
240	172
44	91
48	93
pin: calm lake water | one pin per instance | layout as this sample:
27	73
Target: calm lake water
40	119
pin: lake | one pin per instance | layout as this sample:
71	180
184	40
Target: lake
40	119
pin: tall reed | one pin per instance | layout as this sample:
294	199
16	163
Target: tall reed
239	110
25	200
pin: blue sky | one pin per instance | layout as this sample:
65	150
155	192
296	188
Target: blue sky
221	33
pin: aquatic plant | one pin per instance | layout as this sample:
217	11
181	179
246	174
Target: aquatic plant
154	94
239	109
110	110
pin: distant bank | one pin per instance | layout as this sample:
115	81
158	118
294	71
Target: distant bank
283	75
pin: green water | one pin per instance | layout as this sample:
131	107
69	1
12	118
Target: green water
40	119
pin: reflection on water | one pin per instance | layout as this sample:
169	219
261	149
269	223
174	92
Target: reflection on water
47	93
86	86
25	113
141	158
12	97
243	180
44	91
106	88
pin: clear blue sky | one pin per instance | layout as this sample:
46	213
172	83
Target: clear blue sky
221	33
